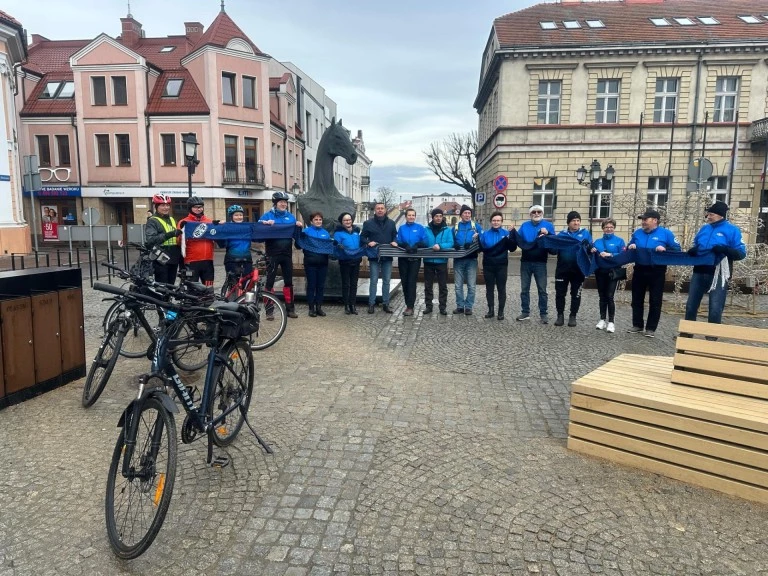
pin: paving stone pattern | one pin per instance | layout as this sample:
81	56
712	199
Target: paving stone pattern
421	445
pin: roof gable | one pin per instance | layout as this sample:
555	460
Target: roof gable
189	101
105	50
224	33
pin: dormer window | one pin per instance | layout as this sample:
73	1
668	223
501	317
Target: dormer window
58	89
50	89
750	19
167	48
548	25
173	88
660	22
684	21
595	24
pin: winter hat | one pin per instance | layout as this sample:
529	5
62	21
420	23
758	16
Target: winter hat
341	216
464	208
436	211
535	208
720	208
572	215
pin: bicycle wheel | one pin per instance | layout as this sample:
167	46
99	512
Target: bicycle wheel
103	363
112	313
190	353
272	321
231	390
136	505
137	341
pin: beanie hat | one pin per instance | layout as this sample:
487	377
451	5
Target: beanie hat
464	208
341	216
436	211
720	208
572	215
536	207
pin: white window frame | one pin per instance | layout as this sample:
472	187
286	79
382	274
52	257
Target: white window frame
112	83
726	99
718	188
96	151
604	190
548	99
117	151
162	149
252	80
658	191
232	76
544	193
604	99
663	98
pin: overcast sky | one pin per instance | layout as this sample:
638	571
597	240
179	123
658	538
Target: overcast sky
403	71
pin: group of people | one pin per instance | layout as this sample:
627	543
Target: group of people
463	242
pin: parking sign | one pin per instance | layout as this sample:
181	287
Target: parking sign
479	198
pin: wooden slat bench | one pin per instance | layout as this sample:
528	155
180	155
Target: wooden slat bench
700	417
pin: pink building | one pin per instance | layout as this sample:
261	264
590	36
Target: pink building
106	116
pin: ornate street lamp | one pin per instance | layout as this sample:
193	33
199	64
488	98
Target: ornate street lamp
189	140
595	181
295	188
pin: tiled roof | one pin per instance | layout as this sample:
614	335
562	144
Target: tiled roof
629	23
273	119
189	101
8	18
221	31
449	207
49	106
52	55
150	49
275	83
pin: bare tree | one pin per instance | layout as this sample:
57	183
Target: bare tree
386	195
453	160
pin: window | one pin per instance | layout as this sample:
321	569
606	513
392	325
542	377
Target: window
173	88
250	148
119	91
169	149
230	158
665	103
595	24
660	22
62	144
99	85
308	127
67	90
726	96
50	90
600	201
544	194
708	20
571	24
684	21
607	105
167	48
44	150
549	102
123	149
277	160
103	154
227	88
658	188
58	90
548	25
249	92
718	188
750	19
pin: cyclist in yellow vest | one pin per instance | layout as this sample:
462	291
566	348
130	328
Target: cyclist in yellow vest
160	230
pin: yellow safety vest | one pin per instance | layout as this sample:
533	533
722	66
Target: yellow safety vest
167	228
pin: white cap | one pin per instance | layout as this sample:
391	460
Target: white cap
535	207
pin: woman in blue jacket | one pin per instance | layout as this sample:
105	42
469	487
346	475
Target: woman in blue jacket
607	246
411	237
496	243
315	265
347	237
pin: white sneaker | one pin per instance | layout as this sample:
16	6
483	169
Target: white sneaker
611	328
600	325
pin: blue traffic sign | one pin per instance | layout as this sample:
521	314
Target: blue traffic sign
500	183
479	198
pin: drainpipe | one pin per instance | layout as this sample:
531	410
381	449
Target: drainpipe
79	163
149	150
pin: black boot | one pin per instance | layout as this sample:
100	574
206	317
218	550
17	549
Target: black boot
312	312
560	319
490	313
319	310
347	309
353	310
501	314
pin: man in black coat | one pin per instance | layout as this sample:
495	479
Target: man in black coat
379	230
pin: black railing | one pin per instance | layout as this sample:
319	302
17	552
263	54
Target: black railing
242	174
758	131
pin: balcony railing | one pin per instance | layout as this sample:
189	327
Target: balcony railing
758	131
242	174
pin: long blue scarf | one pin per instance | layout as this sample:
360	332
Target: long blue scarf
256	231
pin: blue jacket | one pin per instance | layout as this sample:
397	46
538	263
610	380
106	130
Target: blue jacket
237	249
721	233
462	236
566	259
410	235
529	231
348	241
651	240
610	243
280	246
442	236
313	258
496	246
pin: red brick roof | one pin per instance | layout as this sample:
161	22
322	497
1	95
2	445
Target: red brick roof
52	55
49	106
628	23
189	101
150	49
221	31
275	83
8	18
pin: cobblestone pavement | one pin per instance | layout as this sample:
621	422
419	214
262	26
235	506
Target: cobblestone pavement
423	445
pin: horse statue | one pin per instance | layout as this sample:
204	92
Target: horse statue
323	196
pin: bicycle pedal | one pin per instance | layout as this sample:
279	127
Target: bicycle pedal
220	461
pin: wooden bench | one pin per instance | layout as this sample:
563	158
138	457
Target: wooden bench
700	416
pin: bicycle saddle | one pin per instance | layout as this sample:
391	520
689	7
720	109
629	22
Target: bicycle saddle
198	289
227	306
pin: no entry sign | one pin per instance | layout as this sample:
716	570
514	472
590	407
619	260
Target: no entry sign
500	200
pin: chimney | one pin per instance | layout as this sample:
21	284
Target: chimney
193	31
37	38
359	134
132	32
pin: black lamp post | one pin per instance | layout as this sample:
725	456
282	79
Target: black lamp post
594	183
190	152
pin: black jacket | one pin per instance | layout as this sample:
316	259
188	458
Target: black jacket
381	231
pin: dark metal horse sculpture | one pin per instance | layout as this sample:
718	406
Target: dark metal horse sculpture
323	196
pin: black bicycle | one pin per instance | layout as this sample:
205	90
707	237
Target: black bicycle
143	467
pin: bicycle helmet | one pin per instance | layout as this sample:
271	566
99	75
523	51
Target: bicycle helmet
277	196
161	199
194	201
234	208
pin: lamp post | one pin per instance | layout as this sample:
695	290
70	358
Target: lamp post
189	140
295	189
595	183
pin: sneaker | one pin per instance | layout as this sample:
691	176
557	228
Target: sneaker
408	312
610	328
523	316
468	311
545	319
443	312
459	311
600	325
635	330
650	334
386	309
371	309
571	320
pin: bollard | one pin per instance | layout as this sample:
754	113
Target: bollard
47	260
13	261
37	260
90	268
58	258
70	259
77	255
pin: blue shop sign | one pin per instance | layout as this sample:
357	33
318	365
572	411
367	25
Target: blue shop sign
5	177
57	191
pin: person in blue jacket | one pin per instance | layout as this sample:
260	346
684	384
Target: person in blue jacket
437	236
723	239
567	272
237	258
315	265
607	247
646	277
496	244
411	237
465	231
533	262
347	237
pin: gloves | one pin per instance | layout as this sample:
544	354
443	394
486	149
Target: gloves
587	244
335	242
467	245
215	221
172	234
693	251
720	249
411	250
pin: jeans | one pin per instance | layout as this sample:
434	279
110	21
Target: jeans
539	272
496	277
465	271
409	275
381	268
315	284
437	272
571	278
606	289
650	279
700	283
